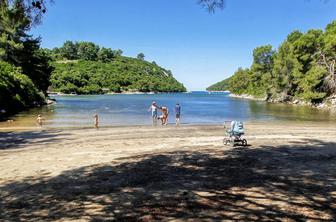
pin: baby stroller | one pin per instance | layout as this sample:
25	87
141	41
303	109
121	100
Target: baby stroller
234	130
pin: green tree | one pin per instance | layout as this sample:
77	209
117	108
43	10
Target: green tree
118	52
286	71
311	84
141	56
306	48
294	36
263	58
106	55
19	48
17	91
14	25
35	64
69	50
240	81
260	74
88	51
327	57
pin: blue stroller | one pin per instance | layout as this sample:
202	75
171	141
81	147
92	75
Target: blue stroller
234	130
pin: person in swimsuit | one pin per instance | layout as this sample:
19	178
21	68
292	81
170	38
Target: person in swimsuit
177	114
96	120
39	120
153	108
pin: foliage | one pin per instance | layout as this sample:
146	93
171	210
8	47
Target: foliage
303	67
13	27
37	8
122	74
220	86
141	56
286	71
106	55
24	67
212	5
17	91
35	63
83	50
260	73
19	48
69	50
311	83
88	51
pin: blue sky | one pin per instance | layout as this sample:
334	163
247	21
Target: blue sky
200	48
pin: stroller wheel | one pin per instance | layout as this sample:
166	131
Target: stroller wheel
244	142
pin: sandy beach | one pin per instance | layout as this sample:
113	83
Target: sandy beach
143	173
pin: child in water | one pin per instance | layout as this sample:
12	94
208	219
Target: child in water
96	120
39	120
164	116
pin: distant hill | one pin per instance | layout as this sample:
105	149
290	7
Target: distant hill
219	86
94	71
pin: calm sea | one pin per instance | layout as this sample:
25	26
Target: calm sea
196	108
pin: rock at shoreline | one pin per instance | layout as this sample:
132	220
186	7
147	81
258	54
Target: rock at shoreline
246	96
296	101
51	101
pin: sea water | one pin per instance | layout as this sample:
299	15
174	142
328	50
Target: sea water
196	108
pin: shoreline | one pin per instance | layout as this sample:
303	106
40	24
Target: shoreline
111	93
246	96
159	127
329	105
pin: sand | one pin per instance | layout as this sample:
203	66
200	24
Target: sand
143	173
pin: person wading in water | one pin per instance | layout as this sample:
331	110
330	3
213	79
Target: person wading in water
154	109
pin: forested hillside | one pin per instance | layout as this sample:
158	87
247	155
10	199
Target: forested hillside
85	68
302	68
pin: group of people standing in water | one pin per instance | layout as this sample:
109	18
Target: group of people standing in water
155	117
164	114
153	108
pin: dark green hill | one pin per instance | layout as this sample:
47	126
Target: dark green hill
120	74
219	86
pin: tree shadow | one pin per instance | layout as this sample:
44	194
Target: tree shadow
16	140
291	183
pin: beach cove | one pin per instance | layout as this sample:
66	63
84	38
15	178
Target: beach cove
204	110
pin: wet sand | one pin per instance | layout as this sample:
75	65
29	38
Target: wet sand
287	173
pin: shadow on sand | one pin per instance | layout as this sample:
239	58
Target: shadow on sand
292	183
16	140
